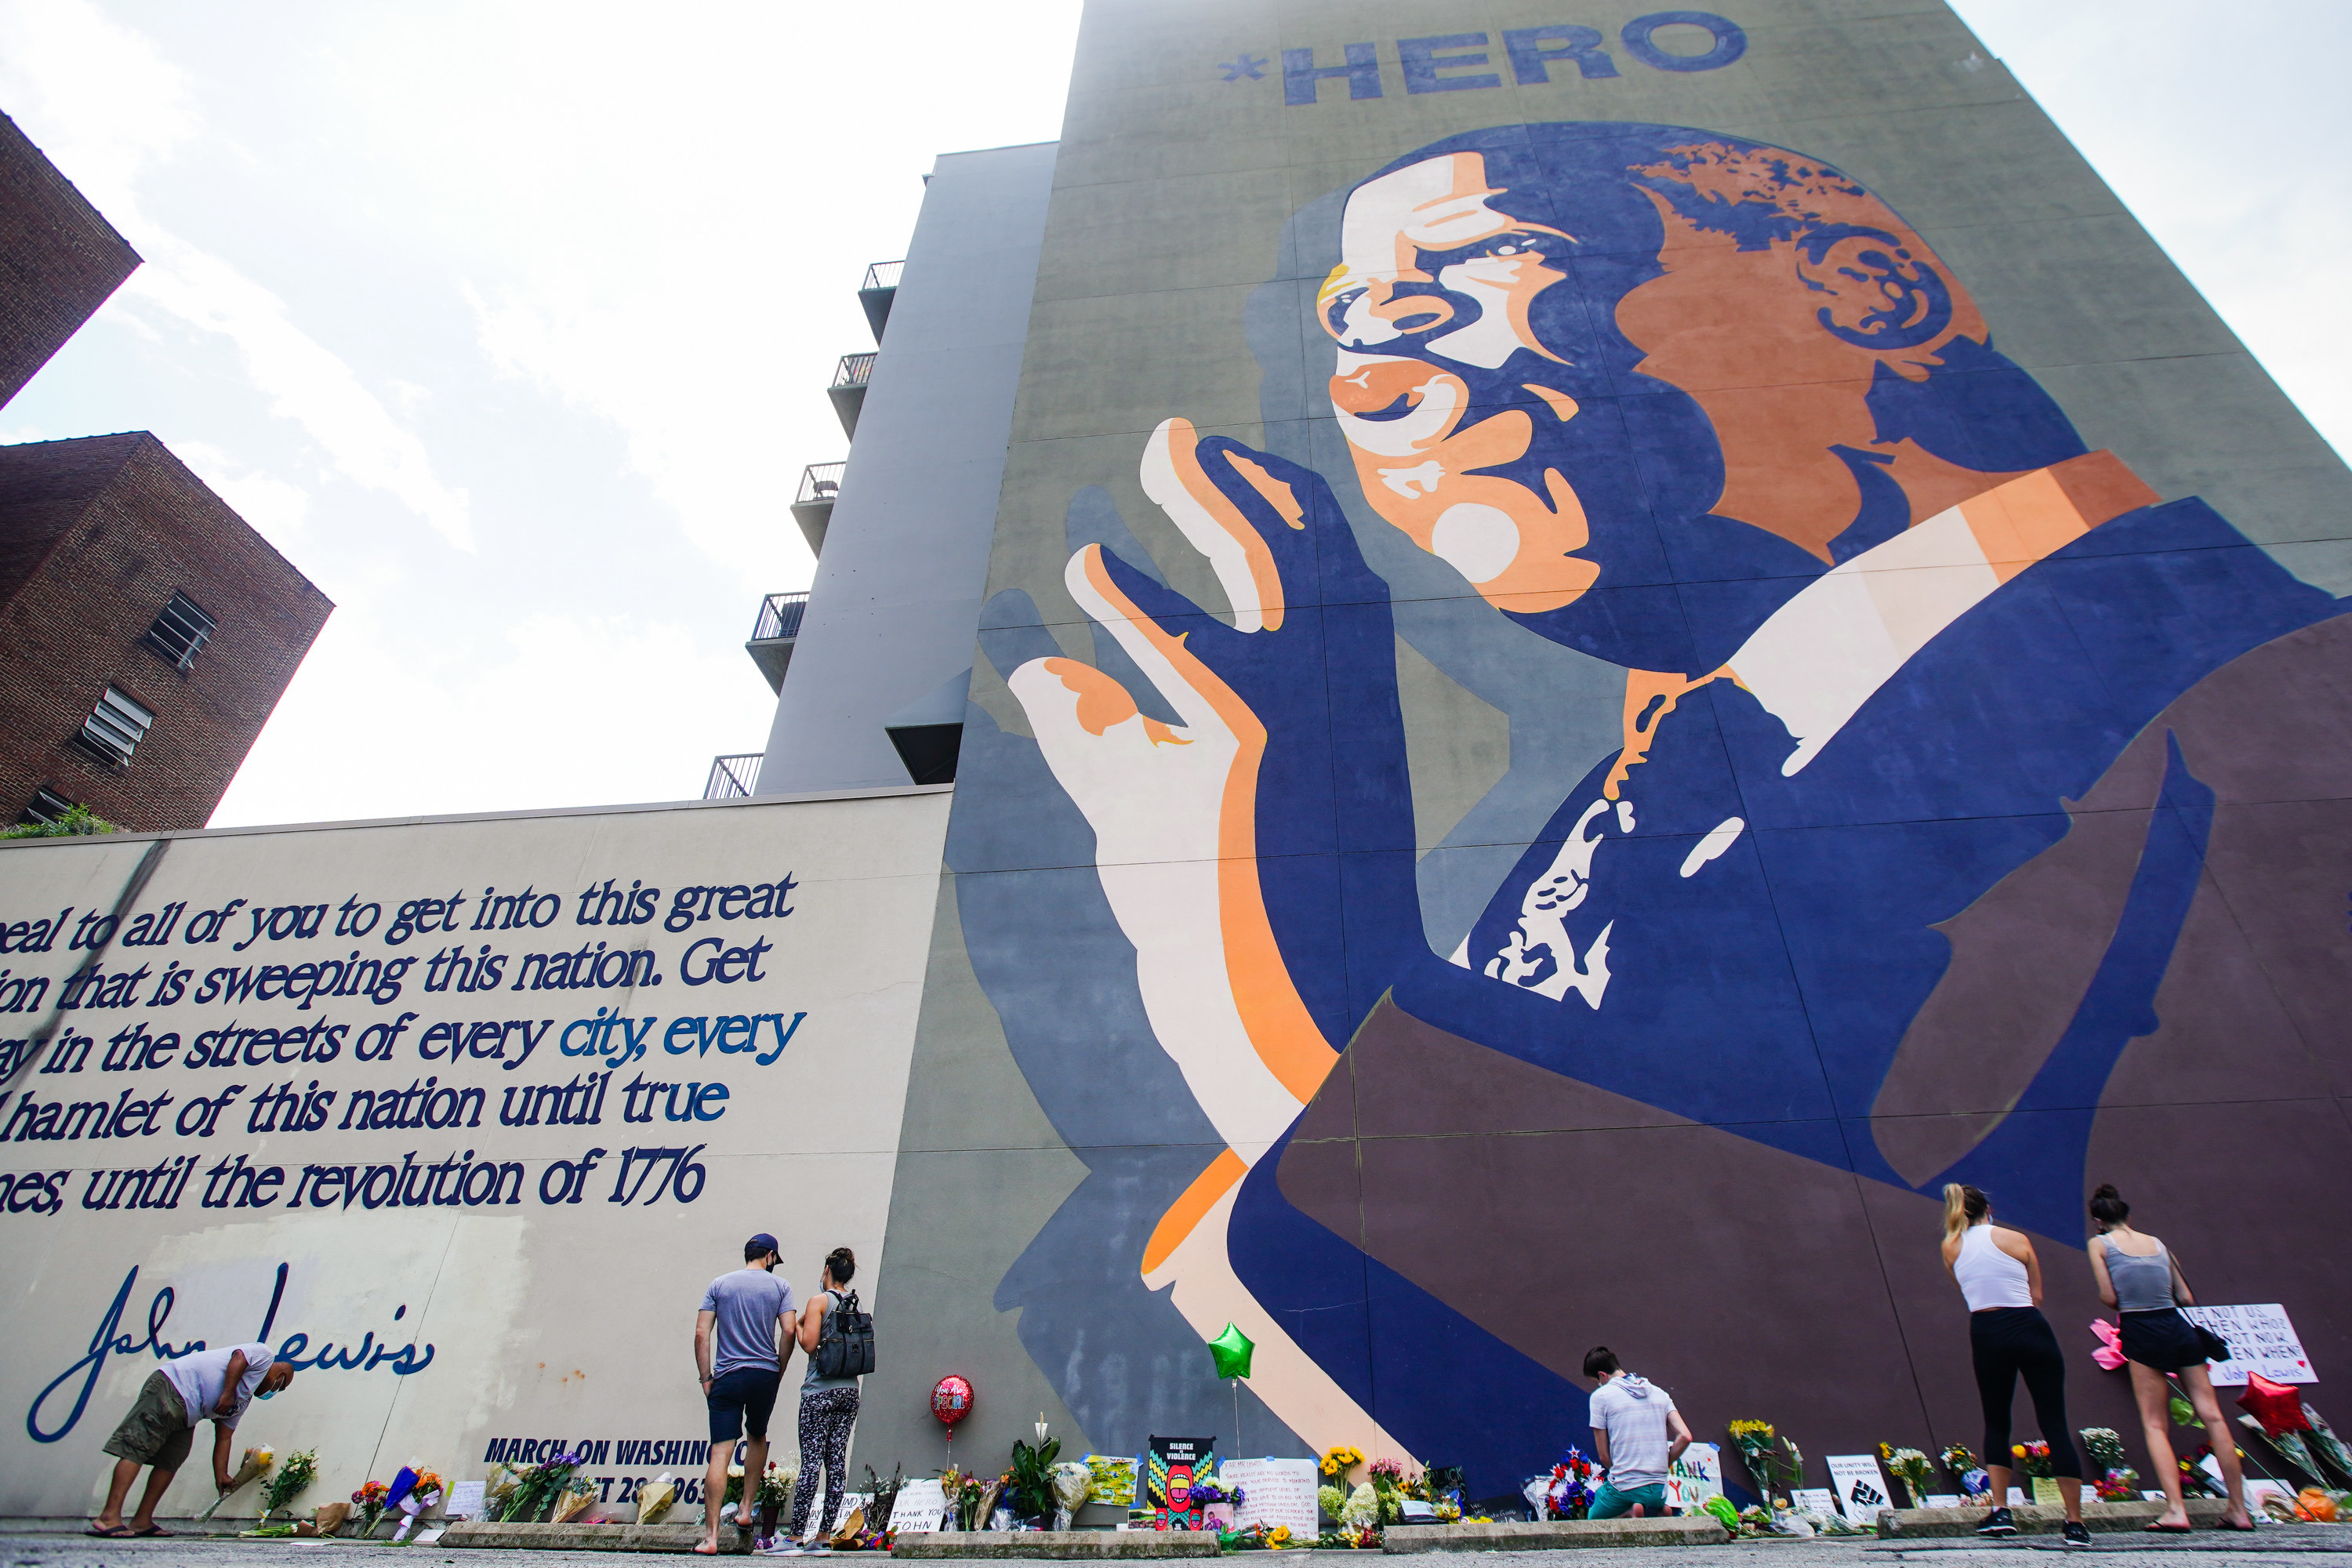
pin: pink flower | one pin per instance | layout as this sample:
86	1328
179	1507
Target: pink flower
2109	1356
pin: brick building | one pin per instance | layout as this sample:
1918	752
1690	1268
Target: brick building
146	630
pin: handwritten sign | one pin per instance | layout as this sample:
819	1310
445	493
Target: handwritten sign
2261	1340
1695	1477
1813	1499
1273	1492
920	1507
465	1501
1860	1489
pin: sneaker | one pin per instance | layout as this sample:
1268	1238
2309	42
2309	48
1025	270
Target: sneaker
819	1550
2000	1521
2075	1535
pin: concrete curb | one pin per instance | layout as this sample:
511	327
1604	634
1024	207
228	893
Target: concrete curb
1690	1531
592	1537
1085	1544
2038	1519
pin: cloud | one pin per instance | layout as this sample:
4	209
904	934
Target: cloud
109	110
275	509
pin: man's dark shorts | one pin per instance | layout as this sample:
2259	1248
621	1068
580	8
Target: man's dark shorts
742	1402
156	1431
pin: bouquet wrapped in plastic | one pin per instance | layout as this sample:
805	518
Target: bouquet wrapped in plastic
414	1493
1910	1467
657	1497
1072	1481
577	1495
254	1461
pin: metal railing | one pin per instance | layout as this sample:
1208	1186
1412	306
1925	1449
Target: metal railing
820	481
732	778
854	370
780	617
882	275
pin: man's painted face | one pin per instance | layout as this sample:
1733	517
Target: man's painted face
1451	398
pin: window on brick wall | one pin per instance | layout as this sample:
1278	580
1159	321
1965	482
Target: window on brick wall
181	632
45	807
115	727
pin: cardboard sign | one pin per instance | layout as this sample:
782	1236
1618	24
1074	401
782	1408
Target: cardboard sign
1951	1500
2261	1340
922	1507
1813	1499
1273	1492
1695	1477
1861	1490
465	1501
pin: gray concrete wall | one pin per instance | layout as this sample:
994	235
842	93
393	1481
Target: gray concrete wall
896	592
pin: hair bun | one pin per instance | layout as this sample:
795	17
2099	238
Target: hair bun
2107	1190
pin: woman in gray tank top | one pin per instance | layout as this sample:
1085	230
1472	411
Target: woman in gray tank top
2139	1277
828	1411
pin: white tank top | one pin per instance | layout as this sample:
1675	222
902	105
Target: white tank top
1988	1276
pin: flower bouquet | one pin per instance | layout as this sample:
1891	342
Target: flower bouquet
1573	1484
288	1484
414	1493
535	1490
657	1497
2033	1459
577	1493
1073	1480
2330	1448
1217	1502
1337	1462
2275	1413
775	1496
881	1503
254	1461
369	1502
1961	1464
2117	1481
1910	1467
2194	1480
1755	1442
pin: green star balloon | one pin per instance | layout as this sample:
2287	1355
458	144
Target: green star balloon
1231	1351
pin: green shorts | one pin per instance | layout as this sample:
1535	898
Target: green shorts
1610	1503
156	1431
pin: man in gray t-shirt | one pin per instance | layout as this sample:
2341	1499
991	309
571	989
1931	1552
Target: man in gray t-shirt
736	1351
1637	1434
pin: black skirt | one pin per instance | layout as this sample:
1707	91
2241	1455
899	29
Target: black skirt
2163	1339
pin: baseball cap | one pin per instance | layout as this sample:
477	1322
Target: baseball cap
764	1242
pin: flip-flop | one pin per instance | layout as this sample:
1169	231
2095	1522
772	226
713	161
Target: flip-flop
2166	1529
2246	1528
150	1532
113	1533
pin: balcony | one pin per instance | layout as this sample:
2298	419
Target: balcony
733	778
813	508
773	635
849	389
881	286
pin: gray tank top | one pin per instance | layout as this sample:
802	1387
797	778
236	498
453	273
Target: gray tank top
810	1381
2142	1284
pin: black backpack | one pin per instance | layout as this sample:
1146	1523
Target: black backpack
845	1347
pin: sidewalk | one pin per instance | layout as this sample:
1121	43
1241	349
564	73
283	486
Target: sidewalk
2289	1546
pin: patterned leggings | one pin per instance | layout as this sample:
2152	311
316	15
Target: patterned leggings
826	1416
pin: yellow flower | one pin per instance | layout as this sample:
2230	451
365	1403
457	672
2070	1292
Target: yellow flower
1278	1536
2018	1450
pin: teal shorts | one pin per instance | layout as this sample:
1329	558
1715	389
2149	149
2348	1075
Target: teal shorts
1610	1503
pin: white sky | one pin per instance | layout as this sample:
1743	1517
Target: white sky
509	323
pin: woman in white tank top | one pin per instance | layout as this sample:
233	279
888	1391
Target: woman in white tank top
2000	1277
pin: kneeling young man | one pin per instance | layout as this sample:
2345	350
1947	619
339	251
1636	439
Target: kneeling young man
1636	1434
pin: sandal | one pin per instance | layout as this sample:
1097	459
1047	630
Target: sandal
109	1532
2246	1528
2168	1530
150	1532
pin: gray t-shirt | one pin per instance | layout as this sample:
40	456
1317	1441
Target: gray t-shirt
1634	1412
747	1304
198	1380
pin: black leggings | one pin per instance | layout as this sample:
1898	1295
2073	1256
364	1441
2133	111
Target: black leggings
2005	1341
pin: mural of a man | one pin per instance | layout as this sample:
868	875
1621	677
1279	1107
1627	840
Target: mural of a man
1929	715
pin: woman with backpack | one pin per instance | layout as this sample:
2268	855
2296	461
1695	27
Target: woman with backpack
828	1398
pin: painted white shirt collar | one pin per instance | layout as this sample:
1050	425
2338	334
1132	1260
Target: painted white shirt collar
1824	653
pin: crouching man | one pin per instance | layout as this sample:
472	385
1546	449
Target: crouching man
215	1385
1637	1434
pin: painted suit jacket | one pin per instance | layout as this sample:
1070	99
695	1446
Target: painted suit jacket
1917	956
